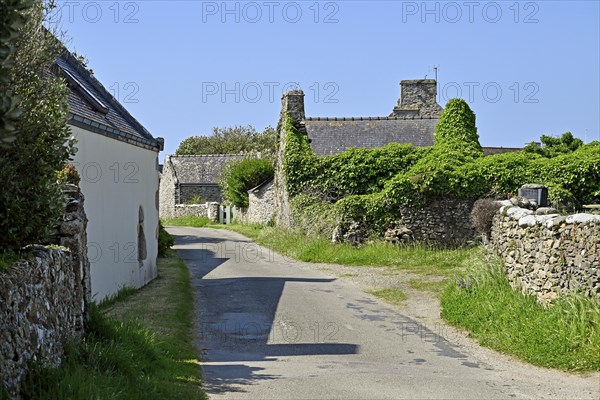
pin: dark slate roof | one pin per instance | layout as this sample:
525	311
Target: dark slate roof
334	135
490	151
202	169
93	108
262	185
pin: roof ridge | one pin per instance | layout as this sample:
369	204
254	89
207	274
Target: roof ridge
97	85
212	155
365	118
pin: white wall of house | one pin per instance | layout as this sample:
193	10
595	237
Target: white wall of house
116	179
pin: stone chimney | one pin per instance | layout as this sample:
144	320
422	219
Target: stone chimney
292	103
418	100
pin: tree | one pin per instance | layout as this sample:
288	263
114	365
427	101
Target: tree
31	199
554	146
231	140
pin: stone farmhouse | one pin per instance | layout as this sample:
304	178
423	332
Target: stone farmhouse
412	120
117	160
187	179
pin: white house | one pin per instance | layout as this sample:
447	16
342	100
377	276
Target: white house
117	160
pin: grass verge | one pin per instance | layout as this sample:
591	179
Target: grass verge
140	347
565	335
190	220
391	295
416	258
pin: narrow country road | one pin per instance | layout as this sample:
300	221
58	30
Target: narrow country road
275	328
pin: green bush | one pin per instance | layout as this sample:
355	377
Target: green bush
165	241
239	176
553	146
31	199
482	215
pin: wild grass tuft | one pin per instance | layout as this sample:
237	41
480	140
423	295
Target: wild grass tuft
565	335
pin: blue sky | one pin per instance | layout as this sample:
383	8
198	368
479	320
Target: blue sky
527	68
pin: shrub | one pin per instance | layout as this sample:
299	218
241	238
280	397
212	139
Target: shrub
239	176
31	200
69	175
165	241
196	199
482	215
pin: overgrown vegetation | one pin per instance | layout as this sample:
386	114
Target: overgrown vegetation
189	220
31	200
565	335
136	348
369	186
239	176
165	241
231	140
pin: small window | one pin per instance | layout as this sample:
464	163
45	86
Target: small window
142	252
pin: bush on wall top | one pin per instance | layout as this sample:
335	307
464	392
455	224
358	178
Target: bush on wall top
239	176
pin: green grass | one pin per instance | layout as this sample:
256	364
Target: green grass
417	258
565	335
138	346
426	285
391	295
190	220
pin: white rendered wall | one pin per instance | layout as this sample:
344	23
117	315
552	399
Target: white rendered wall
116	179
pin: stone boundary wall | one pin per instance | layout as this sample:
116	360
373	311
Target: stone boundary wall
44	299
208	210
446	222
260	208
548	255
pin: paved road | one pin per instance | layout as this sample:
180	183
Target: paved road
274	328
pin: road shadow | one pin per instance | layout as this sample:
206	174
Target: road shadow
237	316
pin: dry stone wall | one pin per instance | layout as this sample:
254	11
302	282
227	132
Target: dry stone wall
549	254
44	298
260	208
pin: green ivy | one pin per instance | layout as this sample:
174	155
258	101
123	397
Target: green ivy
371	185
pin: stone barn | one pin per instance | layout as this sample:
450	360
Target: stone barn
192	179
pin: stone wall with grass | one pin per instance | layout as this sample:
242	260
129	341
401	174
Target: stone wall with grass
44	298
547	254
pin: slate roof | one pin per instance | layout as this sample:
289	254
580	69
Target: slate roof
331	136
93	108
201	169
490	151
